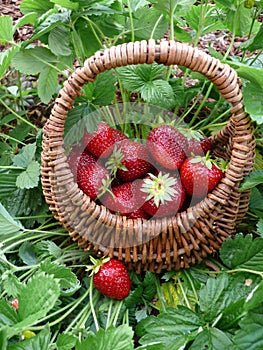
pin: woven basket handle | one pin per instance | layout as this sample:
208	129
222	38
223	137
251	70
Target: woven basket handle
168	53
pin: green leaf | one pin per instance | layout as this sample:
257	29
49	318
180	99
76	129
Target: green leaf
7	224
39	341
243	18
254	298
3	339
47	83
25	155
175	326
135	297
59	41
243	252
257	42
8	315
211	20
30	177
260	226
78	119
213	297
231	315
250	335
37	299
134	77
71	5
33	60
67	279
256	199
45	249
29	18
11	284
149	284
66	341
50	22
254	75
27	254
37	6
6	29
5	59
145	79
120	338
145	19
253	99
8	182
252	180
211	339
102	91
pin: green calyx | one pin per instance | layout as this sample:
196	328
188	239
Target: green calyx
115	162
191	134
207	161
160	188
96	264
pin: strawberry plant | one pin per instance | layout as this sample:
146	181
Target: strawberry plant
48	300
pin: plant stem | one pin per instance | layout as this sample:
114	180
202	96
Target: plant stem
192	285
201	104
160	295
114	322
131	20
18	116
184	294
92	306
156	25
70	308
109	314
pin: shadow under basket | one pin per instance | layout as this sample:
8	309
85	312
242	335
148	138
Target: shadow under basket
167	243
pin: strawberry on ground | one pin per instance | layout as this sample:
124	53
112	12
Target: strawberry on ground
168	146
200	175
101	142
125	199
110	277
135	161
91	178
166	194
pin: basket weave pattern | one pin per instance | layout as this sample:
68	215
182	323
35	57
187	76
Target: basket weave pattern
156	244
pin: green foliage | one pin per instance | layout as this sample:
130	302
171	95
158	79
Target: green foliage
110	339
198	308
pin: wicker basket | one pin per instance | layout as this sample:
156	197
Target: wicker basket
168	243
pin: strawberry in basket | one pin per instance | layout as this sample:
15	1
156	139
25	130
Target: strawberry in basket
152	178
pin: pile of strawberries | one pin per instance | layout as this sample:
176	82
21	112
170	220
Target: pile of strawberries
157	177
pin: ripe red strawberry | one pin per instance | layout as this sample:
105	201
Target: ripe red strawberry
198	143
139	213
90	179
101	142
166	195
78	157
199	147
200	175
168	146
135	161
118	135
124	199
111	278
